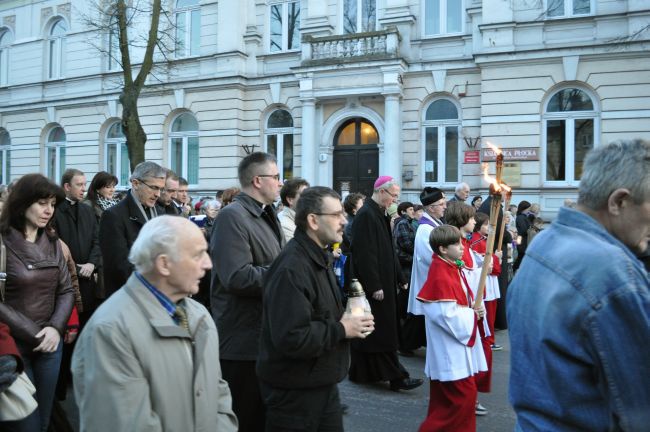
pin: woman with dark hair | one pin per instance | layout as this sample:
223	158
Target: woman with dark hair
100	195
38	295
523	223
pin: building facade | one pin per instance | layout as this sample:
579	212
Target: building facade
340	90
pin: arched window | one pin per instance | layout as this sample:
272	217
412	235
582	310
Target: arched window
441	131
55	153
116	154
6	39
56	49
188	28
279	141
570	123
184	147
5	156
359	16
356	131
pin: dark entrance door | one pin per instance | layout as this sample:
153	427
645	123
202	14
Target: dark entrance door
356	156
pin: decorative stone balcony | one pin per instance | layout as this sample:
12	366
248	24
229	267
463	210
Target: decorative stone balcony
350	48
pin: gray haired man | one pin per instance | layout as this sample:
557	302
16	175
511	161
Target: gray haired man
579	306
146	359
120	224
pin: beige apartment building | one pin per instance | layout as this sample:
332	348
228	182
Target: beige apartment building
340	90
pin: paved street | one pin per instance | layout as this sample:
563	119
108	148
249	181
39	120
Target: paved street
375	409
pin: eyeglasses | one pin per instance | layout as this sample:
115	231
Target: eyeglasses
442	204
395	196
153	188
274	176
335	214
170	190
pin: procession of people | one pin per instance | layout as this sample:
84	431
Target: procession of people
226	314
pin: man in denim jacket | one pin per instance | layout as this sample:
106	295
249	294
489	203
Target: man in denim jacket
579	306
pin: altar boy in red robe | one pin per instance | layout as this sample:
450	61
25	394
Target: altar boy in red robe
453	356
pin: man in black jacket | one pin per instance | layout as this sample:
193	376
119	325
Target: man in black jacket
77	226
245	239
120	224
304	351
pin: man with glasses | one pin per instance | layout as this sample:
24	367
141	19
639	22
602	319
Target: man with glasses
246	238
169	194
375	265
120	225
304	350
434	205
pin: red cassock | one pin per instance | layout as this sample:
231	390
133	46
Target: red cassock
451	403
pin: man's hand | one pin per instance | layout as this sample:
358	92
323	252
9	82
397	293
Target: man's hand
378	295
51	339
404	286
357	326
499	254
86	270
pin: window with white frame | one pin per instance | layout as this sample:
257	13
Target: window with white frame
114	54
116	154
359	16
441	129
5	156
56	49
568	8
284	25
6	39
188	28
442	17
55	154
570	123
279	141
184	147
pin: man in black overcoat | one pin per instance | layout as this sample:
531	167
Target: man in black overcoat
375	265
120	224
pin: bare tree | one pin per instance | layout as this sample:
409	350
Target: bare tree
119	22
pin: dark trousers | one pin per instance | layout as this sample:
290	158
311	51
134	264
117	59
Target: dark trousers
245	390
307	410
43	370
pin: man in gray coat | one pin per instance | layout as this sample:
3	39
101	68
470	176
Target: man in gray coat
145	360
246	238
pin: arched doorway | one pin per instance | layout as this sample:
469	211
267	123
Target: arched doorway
356	156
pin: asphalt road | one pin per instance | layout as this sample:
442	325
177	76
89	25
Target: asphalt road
373	408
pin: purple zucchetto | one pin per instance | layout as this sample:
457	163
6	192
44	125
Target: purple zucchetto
382	180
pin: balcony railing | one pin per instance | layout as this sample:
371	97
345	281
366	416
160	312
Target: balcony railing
350	48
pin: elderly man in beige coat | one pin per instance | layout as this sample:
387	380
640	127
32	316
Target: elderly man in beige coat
148	359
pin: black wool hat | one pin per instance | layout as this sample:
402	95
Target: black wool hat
430	195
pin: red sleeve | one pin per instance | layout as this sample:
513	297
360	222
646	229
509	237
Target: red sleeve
8	345
73	322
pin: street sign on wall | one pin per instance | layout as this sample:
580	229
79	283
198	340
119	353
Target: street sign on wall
512	154
472	157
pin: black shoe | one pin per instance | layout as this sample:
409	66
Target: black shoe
344	408
406	353
405	384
